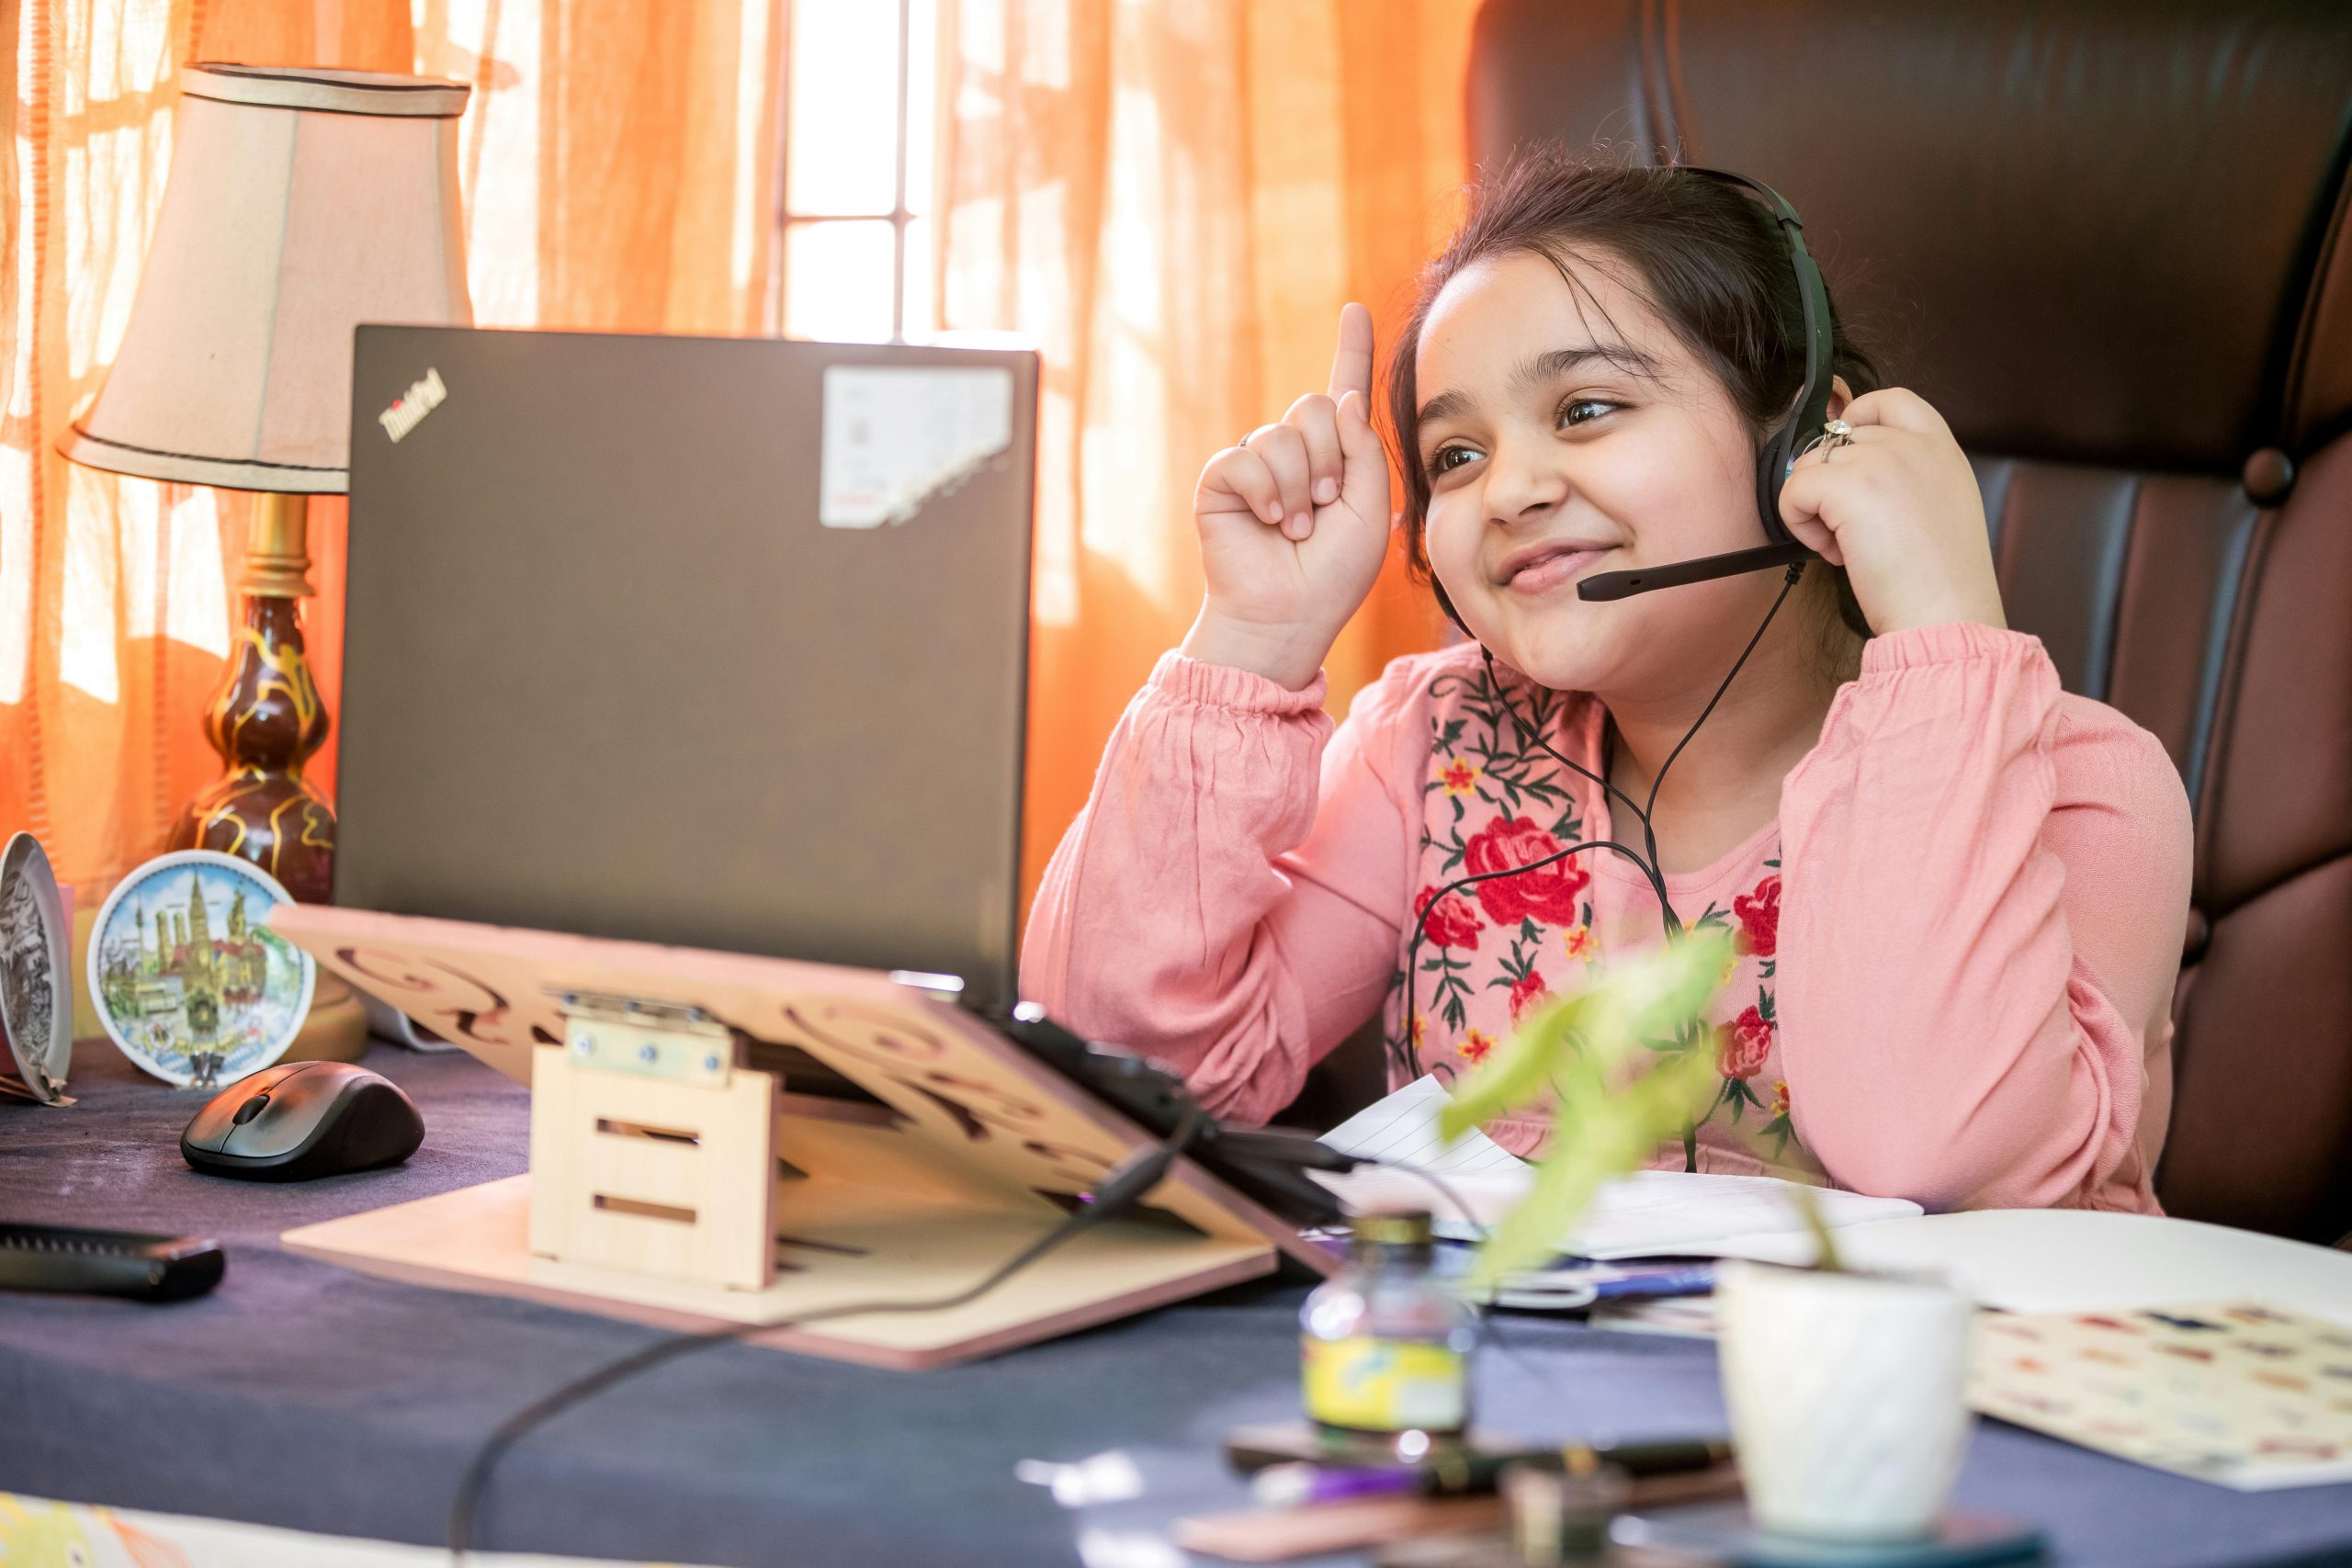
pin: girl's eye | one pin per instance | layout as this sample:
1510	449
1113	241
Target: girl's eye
1569	415
1443	460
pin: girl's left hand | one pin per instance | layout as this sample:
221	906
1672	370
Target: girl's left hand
1898	507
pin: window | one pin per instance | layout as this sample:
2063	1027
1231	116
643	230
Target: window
854	250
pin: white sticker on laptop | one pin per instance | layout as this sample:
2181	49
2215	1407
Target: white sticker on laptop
895	436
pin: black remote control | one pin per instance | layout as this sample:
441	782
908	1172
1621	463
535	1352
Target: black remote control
106	1263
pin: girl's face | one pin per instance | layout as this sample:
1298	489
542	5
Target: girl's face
1548	463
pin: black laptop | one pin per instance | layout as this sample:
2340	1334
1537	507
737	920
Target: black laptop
717	642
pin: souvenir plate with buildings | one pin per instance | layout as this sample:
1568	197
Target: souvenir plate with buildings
187	977
36	998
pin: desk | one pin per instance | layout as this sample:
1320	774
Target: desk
303	1395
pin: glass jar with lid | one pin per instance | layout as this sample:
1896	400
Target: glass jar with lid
1385	1346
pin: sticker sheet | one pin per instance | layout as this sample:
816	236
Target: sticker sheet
2239	1393
895	436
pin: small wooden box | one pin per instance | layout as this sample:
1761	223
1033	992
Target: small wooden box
652	1177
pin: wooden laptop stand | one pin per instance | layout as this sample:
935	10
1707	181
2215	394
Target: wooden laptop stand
678	1177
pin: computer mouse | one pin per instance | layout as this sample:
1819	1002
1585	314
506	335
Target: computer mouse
304	1120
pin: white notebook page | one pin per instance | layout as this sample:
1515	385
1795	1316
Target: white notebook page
1648	1214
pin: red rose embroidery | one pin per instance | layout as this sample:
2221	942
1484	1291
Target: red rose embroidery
1759	918
1528	991
1452	923
1548	895
1746	1045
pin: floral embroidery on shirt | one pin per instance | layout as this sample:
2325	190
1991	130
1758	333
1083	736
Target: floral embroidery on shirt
1452	923
1548	893
1780	1129
1528	987
1527	992
1495	800
1746	1045
1759	921
1474	721
1711	917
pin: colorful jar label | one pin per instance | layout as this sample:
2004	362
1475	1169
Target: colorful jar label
1386	1386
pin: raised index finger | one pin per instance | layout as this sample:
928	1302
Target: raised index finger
1351	364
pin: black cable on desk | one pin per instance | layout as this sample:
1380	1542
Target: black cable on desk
1120	1190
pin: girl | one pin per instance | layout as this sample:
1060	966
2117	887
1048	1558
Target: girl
1957	892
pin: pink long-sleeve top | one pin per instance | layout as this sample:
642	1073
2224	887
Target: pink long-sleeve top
1956	946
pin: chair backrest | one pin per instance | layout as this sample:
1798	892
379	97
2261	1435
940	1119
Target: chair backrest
2106	239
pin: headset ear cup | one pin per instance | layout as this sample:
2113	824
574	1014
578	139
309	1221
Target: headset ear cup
1772	473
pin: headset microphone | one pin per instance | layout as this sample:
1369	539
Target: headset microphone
1812	407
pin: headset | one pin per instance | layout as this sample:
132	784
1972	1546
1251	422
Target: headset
1809	411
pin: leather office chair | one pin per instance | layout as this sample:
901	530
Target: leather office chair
2110	242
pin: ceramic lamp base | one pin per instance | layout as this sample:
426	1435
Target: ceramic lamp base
267	720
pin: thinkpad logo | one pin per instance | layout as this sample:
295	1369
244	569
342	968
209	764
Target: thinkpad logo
410	408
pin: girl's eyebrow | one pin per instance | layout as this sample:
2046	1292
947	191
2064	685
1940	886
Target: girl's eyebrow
1558	362
1443	406
1548	366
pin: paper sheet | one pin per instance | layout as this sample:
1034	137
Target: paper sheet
1650	1214
1403	1128
2240	1393
2085	1261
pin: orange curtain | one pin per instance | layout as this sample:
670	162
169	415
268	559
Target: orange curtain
618	171
114	593
619	158
1174	202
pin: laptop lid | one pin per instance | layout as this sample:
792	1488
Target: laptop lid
649	637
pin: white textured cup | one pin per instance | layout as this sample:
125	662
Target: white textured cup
1849	1398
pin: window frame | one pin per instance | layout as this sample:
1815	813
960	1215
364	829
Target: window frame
786	220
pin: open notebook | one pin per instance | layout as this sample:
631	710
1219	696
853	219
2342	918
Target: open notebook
1650	1214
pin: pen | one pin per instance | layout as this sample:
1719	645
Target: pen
1695	1280
1285	1485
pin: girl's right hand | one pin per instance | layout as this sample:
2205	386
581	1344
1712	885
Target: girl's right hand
1294	526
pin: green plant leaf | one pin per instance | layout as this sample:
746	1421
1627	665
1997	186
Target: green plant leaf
1615	1133
1518	1071
1613	1101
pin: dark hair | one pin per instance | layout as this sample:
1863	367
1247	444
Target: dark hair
1705	257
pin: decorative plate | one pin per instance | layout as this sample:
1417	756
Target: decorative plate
36	957
188	978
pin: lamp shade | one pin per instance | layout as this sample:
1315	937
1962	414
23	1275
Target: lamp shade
302	202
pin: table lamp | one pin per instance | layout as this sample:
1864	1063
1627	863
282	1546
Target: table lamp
302	202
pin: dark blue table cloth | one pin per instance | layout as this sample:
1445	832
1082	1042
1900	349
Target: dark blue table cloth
302	1395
